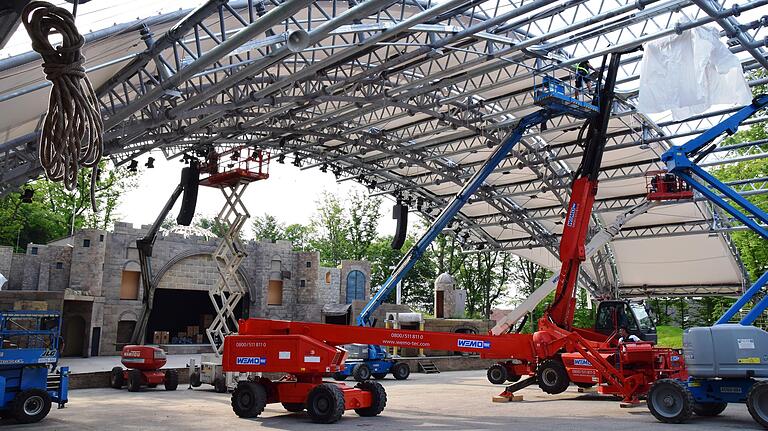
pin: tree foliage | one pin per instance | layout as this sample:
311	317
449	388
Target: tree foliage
55	212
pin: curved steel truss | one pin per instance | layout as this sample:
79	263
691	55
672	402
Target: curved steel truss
407	97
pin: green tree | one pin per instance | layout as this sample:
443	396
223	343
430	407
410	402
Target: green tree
267	227
751	247
213	225
485	276
55	212
344	229
299	235
417	287
330	229
363	215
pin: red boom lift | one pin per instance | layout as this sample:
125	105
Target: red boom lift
553	356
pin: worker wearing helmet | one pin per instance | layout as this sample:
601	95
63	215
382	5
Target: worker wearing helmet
626	337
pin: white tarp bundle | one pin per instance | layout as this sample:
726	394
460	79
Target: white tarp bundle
2	280
690	73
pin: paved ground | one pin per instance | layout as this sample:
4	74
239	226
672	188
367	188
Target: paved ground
105	363
448	401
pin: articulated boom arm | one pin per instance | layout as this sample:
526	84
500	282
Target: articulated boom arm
413	255
678	161
583	192
598	241
488	346
144	246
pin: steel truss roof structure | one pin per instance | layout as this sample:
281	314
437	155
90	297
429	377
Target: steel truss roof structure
409	97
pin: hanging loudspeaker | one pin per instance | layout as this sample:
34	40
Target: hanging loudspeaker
190	178
297	40
400	213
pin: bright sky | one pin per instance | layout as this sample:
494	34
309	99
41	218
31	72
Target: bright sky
290	195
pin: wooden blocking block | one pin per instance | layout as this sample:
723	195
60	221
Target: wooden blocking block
625	405
591	390
507	399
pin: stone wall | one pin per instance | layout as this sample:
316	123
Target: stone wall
88	252
89	266
16	279
6	257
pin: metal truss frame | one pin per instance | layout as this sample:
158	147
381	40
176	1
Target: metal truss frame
405	97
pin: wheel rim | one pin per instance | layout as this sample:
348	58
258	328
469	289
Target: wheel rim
760	404
322	405
496	374
667	401
33	405
246	400
549	377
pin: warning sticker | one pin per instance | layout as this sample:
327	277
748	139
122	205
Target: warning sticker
749	360
746	343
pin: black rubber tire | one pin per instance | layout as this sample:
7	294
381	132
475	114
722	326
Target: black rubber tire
708	409
584	385
361	372
194	380
756	403
294	407
378	398
670	401
325	403
401	370
134	380
497	374
340	377
552	377
220	385
171	380
249	399
379	376
31	406
116	378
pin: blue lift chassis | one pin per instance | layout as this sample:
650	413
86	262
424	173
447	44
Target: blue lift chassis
708	393
29	353
368	360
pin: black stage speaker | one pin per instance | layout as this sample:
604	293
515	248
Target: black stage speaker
400	213
190	178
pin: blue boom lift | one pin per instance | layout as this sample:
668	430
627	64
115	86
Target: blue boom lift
368	360
29	353
723	361
556	98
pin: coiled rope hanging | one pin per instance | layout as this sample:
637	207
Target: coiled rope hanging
71	137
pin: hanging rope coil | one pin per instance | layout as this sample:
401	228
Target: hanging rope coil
71	137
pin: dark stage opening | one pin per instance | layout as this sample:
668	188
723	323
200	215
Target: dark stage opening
178	312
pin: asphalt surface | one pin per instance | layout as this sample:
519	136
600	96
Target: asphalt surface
447	401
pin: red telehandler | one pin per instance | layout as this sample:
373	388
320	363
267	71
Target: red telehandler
553	356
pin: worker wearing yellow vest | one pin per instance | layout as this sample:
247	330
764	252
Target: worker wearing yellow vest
584	71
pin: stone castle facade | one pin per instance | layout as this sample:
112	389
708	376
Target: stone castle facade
99	274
